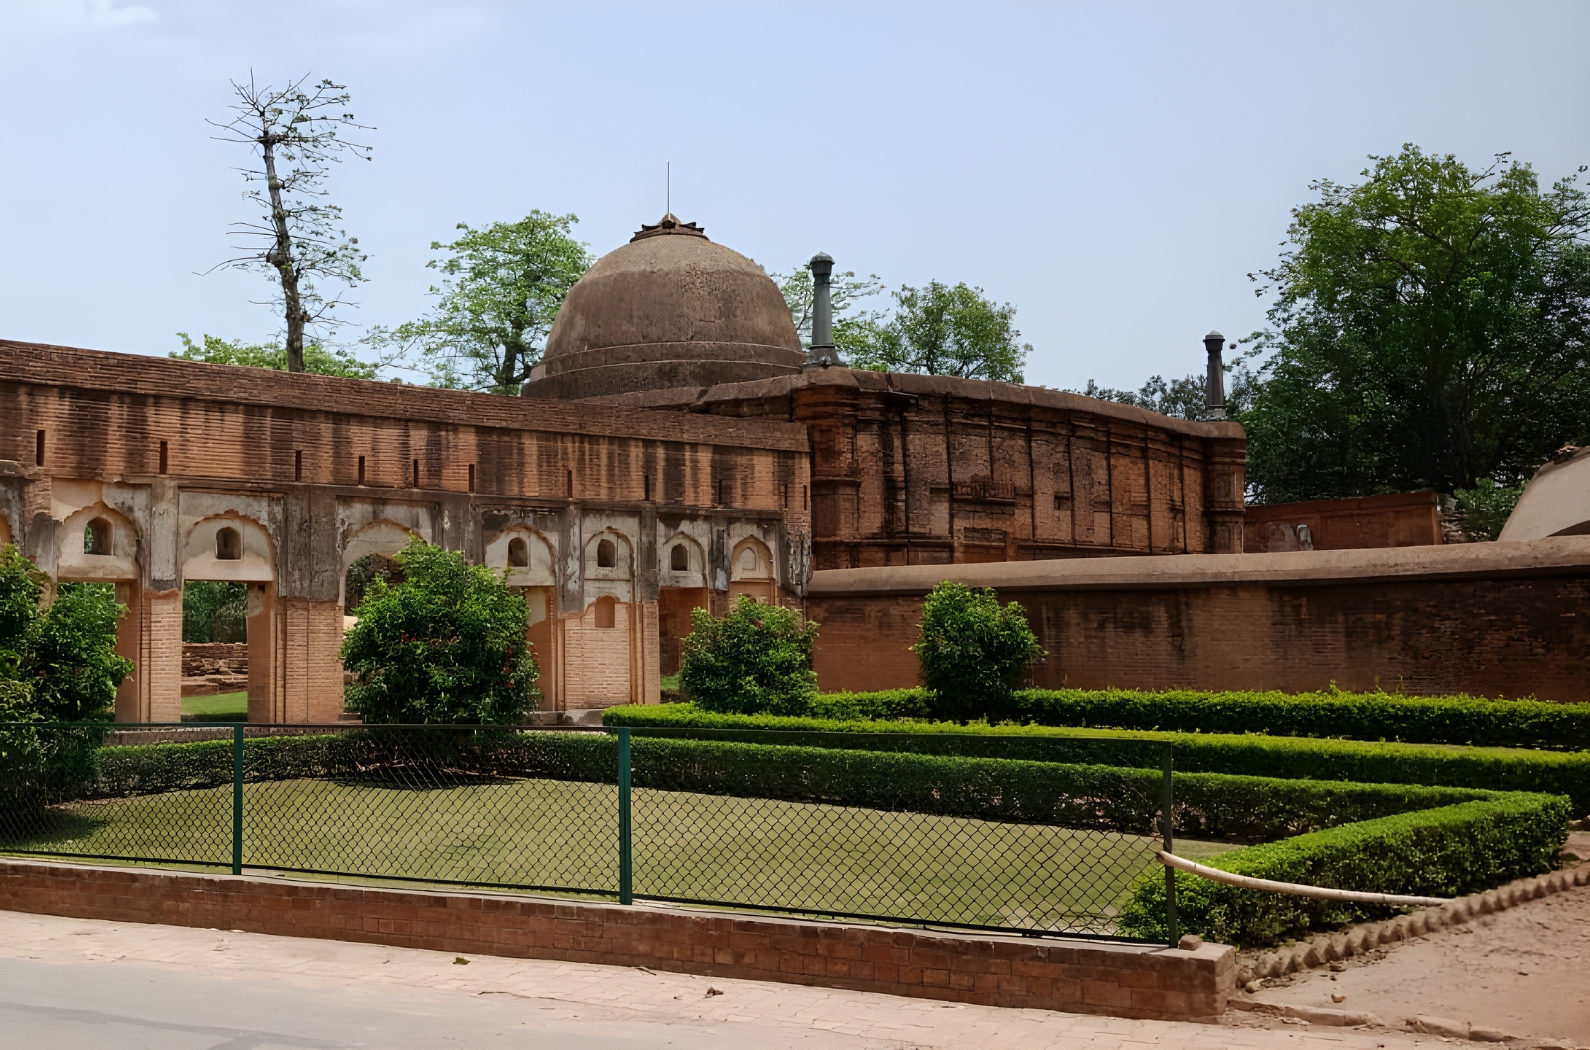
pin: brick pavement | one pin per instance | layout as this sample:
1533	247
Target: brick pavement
826	1017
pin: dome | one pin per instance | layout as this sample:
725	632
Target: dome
668	309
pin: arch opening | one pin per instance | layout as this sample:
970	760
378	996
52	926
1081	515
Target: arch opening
518	553
679	558
606	554
228	545
606	613
97	537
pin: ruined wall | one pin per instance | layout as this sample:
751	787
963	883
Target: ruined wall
930	470
1494	619
1399	519
207	472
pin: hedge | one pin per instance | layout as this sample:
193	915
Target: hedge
1445	852
1073	795
1358	716
1250	754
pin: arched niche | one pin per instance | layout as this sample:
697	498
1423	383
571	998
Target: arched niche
527	556
229	549
684	564
110	557
608	556
751	571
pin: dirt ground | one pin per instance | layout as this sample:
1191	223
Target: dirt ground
1524	971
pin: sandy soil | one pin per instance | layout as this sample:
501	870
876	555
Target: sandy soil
1524	971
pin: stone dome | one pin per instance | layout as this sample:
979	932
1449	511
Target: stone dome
668	309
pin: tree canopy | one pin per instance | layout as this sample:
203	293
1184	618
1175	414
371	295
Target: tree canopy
946	331
318	359
500	290
1429	329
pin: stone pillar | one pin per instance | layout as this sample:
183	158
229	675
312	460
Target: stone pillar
310	635
264	655
129	644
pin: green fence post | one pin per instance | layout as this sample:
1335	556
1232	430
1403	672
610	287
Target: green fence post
237	798
626	864
1168	809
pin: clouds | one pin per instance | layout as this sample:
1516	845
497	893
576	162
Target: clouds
75	14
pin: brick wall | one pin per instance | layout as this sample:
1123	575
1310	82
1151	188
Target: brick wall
596	659
202	658
1053	974
1401	519
1509	619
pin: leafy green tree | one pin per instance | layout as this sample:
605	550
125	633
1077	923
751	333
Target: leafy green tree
214	612
294	132
756	660
63	653
1484	509
447	645
318	359
973	653
500	290
856	330
1431	327
947	331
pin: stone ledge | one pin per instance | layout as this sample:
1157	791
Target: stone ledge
1096	977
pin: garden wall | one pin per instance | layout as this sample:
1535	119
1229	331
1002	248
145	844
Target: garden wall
1082	977
1489	619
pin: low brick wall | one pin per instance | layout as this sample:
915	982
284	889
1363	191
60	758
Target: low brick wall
202	658
1079	976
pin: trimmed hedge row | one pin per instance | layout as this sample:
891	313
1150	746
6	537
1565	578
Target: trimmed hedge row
1446	852
1252	754
1358	716
1085	796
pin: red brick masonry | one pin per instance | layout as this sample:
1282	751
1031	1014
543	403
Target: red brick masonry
1079	976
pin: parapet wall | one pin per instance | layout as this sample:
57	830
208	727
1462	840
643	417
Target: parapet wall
1493	619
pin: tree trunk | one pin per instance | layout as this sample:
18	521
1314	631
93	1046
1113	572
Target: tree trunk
280	256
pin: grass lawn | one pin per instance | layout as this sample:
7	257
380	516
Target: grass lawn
558	834
222	707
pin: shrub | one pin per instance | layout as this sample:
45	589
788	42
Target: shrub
1444	852
1360	716
973	653
65	652
1496	769
446	645
757	659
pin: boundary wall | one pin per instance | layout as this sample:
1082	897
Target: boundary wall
1491	619
1124	980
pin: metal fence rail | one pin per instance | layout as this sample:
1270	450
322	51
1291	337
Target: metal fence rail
737	820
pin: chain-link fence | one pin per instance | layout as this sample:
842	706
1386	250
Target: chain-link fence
834	825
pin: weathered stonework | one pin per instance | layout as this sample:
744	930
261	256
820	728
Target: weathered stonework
280	482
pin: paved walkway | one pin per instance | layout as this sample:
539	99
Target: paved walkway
69	983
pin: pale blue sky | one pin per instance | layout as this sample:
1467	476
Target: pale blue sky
1113	170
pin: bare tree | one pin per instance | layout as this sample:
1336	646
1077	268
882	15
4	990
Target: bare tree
294	133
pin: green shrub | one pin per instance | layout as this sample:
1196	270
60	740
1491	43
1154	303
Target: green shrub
1251	754
1445	852
973	654
757	659
66	651
1360	716
446	645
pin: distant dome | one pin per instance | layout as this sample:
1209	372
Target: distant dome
668	309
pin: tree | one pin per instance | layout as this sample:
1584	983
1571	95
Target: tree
294	132
972	653
756	660
855	330
214	612
945	331
1431	327
446	645
318	359
64	651
500	291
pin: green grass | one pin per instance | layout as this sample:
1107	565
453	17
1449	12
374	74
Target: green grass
223	707
562	835
670	681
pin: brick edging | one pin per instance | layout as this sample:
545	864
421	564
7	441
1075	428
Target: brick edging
1079	976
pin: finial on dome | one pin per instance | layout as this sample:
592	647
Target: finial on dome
669	223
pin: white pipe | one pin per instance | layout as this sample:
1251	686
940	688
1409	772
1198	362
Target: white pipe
1292	888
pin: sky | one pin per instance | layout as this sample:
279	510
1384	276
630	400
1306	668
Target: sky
1115	171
